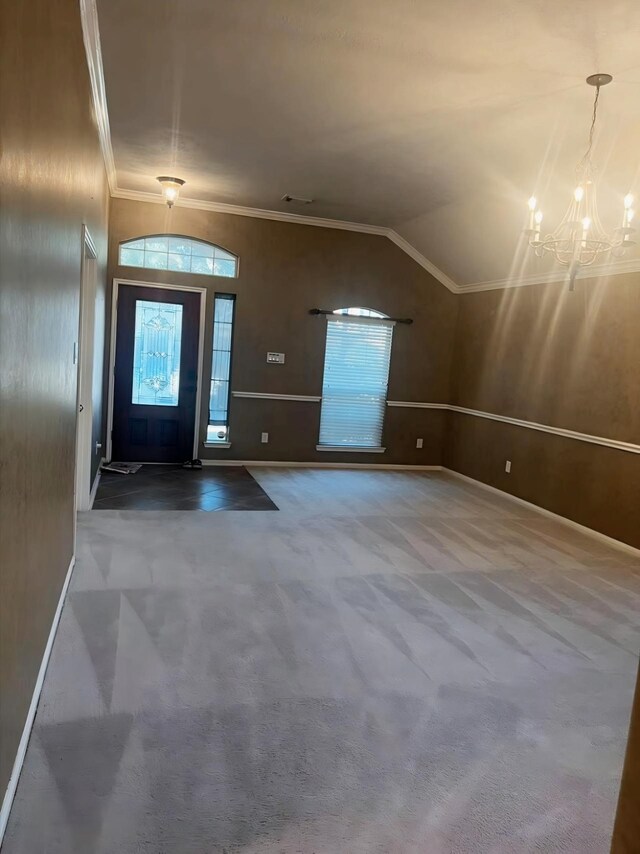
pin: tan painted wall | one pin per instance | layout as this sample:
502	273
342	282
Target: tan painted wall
51	181
285	270
570	360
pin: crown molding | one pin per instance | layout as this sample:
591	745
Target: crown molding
296	219
91	38
595	271
257	213
424	262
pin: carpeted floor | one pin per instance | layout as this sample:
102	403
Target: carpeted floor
395	663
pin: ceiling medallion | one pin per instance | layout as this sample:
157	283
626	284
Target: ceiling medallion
579	239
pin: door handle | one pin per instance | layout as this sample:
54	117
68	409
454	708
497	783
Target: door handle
81	408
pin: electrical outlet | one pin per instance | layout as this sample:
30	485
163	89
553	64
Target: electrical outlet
264	438
275	358
418	443
507	466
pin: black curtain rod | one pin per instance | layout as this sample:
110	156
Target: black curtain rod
406	320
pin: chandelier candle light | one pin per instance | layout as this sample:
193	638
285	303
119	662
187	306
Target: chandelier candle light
580	238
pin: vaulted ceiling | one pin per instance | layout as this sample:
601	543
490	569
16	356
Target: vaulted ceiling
437	119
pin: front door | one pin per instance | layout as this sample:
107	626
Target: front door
156	373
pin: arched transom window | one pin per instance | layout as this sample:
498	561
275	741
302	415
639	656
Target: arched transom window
357	311
179	254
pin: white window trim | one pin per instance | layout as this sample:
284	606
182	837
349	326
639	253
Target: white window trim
217	444
351	449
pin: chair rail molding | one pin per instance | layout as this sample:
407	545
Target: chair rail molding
629	447
617	444
312	398
414	404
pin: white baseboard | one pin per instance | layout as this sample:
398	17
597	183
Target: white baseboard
590	532
317	465
31	714
96	484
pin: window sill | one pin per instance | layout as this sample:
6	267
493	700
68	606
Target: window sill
217	444
353	449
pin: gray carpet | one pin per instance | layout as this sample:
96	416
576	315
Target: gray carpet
396	663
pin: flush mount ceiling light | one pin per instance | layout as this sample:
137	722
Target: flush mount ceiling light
579	237
170	188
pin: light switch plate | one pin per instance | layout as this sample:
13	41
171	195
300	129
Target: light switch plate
275	358
418	443
264	438
507	466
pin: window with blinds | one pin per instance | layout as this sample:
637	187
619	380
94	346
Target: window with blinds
356	375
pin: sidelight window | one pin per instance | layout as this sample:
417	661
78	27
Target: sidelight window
223	316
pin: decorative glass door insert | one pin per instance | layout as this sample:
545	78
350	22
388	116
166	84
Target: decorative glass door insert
156	359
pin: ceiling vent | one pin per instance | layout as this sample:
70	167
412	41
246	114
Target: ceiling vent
296	199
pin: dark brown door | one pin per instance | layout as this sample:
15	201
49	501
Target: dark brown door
156	373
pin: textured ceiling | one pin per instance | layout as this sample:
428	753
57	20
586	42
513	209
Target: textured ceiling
436	119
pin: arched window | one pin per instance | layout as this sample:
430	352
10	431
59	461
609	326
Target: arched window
357	311
354	385
178	254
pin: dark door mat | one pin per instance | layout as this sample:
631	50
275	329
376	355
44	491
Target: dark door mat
174	488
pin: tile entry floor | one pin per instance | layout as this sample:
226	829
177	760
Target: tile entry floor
157	487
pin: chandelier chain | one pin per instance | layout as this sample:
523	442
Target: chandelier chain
587	155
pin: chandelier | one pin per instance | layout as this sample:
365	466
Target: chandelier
579	238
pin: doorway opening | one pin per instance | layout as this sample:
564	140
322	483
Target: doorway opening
89	378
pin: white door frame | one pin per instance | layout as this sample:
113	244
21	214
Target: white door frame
112	353
85	356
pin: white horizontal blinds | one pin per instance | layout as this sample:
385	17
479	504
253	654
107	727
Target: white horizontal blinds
356	374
